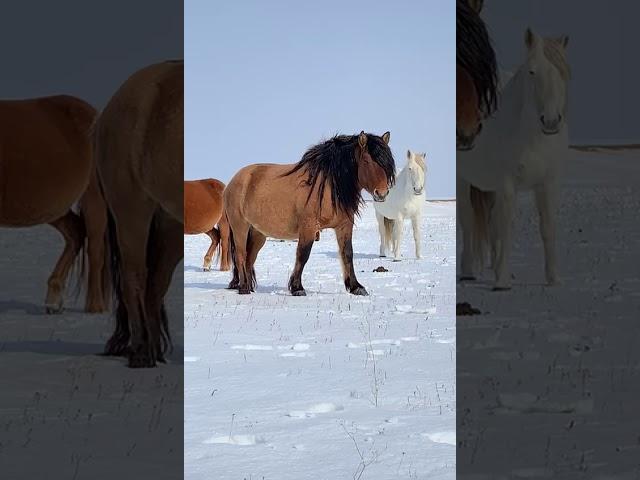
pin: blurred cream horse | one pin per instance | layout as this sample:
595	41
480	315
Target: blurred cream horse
405	200
523	146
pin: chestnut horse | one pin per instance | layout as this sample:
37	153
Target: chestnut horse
476	73
296	201
202	211
45	168
139	154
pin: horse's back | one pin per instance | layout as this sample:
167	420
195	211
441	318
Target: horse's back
45	157
269	199
202	204
140	134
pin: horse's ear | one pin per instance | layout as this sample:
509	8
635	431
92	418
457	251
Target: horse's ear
529	38
476	5
362	139
564	41
408	153
386	136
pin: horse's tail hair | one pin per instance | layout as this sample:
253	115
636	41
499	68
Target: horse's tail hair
482	204
79	266
118	343
223	250
389	225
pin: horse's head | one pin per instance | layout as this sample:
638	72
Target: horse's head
468	115
417	168
548	74
376	167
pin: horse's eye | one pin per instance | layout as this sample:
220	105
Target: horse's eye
532	72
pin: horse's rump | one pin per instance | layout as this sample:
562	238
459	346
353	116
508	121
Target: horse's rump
45	168
202	205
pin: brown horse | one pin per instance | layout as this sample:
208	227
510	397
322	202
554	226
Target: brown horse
476	73
139	154
296	201
45	168
202	212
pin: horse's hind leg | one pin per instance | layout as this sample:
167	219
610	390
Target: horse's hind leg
94	212
344	235
545	201
255	242
241	279
381	232
214	235
72	229
165	249
133	221
305	243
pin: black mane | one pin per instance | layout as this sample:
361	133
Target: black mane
334	162
475	54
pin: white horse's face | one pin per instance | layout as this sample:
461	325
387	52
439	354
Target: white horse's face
417	169
547	85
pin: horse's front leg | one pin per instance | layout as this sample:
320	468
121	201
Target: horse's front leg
305	242
398	227
504	217
415	222
382	233
344	235
464	212
545	201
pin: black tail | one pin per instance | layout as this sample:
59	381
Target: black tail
154	239
118	343
79	265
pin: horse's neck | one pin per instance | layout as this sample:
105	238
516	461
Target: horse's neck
517	114
403	181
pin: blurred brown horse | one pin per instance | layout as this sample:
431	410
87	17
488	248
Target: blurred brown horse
296	201
202	212
139	154
45	168
476	73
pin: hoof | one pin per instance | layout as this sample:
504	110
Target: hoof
383	256
501	289
95	309
299	293
141	360
244	291
117	348
233	286
360	291
396	259
467	278
54	309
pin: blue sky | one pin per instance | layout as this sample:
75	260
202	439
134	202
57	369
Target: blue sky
266	80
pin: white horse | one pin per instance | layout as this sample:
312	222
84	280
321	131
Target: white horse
523	146
406	199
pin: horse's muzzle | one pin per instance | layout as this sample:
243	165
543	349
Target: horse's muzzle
465	143
379	198
418	192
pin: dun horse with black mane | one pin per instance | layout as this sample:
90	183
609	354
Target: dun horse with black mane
296	201
139	154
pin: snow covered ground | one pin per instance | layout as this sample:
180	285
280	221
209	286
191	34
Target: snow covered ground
547	376
324	386
64	411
